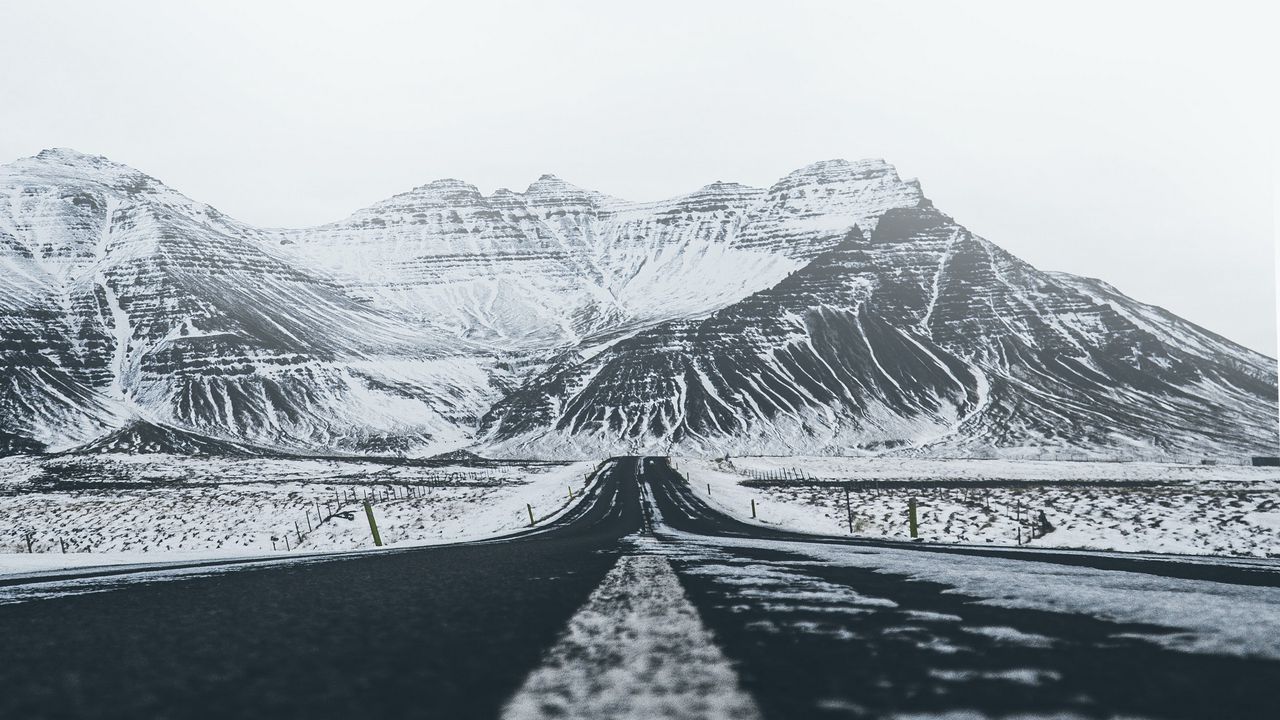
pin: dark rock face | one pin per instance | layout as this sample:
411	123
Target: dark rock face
921	336
836	310
145	437
807	361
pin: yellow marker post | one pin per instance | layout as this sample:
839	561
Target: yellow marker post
373	524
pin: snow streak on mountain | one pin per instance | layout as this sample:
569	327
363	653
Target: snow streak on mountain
834	312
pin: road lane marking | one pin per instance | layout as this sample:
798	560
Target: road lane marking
637	649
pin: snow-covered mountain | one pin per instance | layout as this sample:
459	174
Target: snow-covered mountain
123	301
835	311
557	266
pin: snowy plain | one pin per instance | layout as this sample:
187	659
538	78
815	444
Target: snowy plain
1226	510
127	509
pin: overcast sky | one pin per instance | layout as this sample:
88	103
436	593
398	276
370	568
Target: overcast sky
1127	141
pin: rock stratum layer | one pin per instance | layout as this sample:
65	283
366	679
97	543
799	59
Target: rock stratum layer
837	311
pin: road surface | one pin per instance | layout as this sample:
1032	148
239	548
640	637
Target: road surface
640	602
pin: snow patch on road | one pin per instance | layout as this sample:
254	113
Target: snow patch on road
1187	615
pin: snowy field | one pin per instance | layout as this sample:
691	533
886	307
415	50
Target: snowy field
1128	507
116	509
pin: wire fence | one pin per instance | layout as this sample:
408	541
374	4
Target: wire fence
314	511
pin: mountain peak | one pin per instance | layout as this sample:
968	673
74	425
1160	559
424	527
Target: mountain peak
720	190
549	189
841	167
550	183
447	184
70	158
63	154
67	165
442	190
722	186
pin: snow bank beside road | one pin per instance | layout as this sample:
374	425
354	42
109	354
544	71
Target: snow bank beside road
1128	507
142	509
907	468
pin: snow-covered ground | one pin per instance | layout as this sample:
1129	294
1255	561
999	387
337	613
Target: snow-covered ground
1188	615
123	509
1128	507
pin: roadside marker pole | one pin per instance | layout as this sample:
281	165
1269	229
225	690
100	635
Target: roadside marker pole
708	488
529	507
911	518
848	509
570	492
753	508
373	524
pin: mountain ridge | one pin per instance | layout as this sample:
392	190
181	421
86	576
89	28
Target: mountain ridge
836	310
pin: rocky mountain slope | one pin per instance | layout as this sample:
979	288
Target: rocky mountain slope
835	311
121	300
921	337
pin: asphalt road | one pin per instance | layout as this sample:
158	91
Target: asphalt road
453	631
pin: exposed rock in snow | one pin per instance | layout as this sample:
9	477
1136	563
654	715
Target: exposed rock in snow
145	437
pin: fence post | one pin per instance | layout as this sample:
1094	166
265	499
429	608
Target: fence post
911	518
297	530
529	507
373	524
848	508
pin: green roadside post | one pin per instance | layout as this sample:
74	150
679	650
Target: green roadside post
753	508
911	517
529	507
373	524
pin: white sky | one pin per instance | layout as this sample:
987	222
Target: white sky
1128	141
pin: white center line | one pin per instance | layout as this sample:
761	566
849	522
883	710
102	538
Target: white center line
637	649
